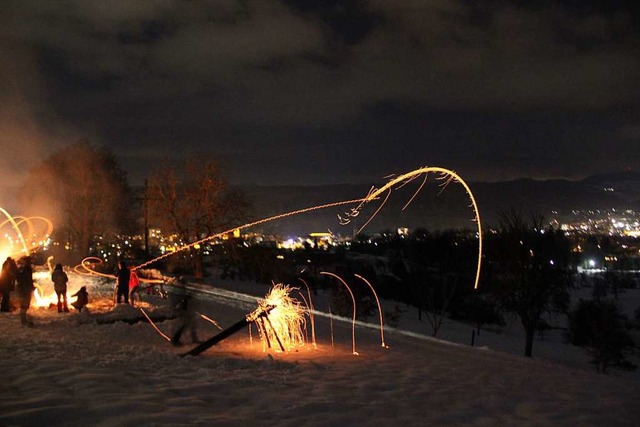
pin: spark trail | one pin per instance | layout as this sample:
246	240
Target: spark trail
379	308
374	194
353	299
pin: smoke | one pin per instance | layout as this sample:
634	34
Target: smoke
29	130
20	136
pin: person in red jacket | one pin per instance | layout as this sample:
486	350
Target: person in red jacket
134	282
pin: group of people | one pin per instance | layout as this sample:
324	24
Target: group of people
17	276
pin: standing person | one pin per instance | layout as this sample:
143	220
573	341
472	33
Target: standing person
7	282
83	298
25	288
122	280
60	279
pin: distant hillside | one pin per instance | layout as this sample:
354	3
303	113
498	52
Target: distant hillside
437	208
434	208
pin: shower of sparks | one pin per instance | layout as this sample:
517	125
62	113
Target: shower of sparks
379	309
284	322
353	299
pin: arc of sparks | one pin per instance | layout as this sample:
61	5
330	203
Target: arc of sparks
86	268
379	309
311	315
353	299
154	325
16	227
374	194
16	223
452	176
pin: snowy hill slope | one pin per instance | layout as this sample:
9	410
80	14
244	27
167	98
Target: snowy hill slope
71	370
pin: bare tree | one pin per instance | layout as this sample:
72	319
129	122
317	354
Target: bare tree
439	293
531	269
83	190
194	202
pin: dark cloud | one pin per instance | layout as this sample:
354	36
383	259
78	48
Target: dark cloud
307	91
348	21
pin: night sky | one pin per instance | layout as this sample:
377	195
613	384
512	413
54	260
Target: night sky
313	92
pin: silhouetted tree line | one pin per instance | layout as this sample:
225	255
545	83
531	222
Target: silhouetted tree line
85	192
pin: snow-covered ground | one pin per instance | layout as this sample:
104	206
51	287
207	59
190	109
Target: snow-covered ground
89	369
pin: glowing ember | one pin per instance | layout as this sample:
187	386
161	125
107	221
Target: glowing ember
282	328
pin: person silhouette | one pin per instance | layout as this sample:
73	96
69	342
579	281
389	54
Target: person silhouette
60	279
25	288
